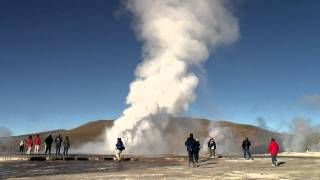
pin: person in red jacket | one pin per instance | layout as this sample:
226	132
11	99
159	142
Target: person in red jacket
29	143
37	142
274	150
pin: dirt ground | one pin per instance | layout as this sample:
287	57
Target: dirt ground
222	168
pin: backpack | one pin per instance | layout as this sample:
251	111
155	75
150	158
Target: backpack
120	146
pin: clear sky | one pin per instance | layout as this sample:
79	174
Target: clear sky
64	63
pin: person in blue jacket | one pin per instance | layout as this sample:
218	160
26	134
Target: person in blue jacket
191	145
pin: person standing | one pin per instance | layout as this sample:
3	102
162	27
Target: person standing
66	146
37	143
29	143
119	148
21	145
190	144
48	142
274	150
212	148
196	151
58	142
246	149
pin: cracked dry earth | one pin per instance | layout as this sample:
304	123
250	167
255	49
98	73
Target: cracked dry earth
223	168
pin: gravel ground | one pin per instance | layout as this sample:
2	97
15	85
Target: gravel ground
222	168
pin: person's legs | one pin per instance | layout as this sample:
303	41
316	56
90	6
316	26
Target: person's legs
244	153
21	149
196	156
59	149
29	150
249	153
49	147
46	150
210	150
67	151
190	155
274	160
36	149
214	153
64	151
118	155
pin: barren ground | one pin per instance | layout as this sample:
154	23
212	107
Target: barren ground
222	168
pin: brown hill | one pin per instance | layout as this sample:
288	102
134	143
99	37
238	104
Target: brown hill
179	127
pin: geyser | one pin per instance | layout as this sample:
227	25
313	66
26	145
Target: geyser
177	34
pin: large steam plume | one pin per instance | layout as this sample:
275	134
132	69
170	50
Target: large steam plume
177	34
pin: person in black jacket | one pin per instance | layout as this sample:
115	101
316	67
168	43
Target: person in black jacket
196	151
212	148
246	149
119	148
48	142
190	144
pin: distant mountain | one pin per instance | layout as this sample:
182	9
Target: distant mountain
179	127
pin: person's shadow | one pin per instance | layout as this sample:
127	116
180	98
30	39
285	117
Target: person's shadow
206	162
280	163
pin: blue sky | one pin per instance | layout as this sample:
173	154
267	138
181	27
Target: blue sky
64	63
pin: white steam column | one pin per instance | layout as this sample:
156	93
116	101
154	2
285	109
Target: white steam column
177	34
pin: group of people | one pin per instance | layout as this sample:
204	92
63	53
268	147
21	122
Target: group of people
193	148
29	142
273	149
192	145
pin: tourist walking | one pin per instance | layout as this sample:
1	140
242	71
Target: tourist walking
48	141
58	142
66	146
190	144
119	148
29	143
212	148
21	144
37	143
246	149
274	150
